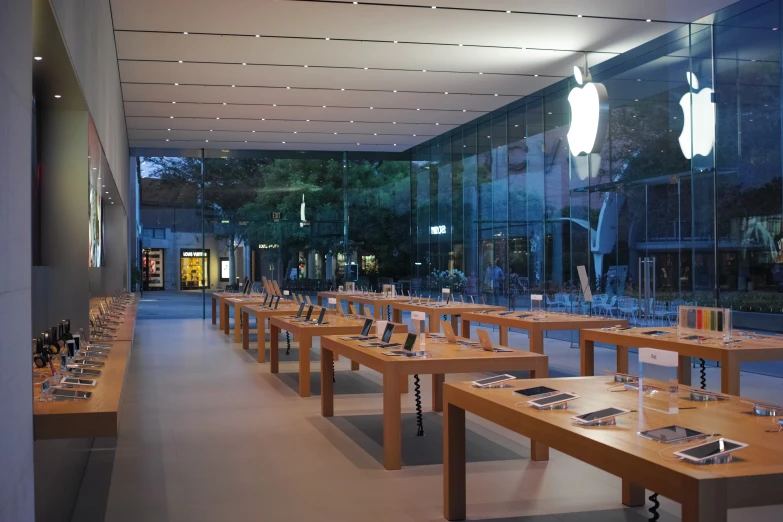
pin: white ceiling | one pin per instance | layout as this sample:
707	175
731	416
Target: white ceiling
349	107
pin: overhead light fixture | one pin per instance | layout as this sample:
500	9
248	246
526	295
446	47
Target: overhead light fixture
335	133
167	139
508	12
535	75
372	107
394	123
176	84
395	90
37	58
351	121
481	73
324	106
648	20
445	93
495	94
173	102
180	61
206	141
366	68
358	143
294	132
374	134
185	32
263	119
57	96
464	110
418	109
327	39
283	143
579	16
434	7
258	36
288	88
274	105
395	144
217	118
210	130
233	86
168	129
395	41
244	63
253	131
414	135
437	124
305	66
424	70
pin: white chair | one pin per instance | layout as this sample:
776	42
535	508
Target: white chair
607	307
551	304
628	307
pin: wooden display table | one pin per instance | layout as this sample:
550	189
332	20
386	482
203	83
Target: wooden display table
536	324
379	303
237	302
443	358
304	333
261	314
435	310
765	348
217	304
754	478
124	331
98	416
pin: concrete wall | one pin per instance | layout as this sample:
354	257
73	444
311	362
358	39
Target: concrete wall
16	415
86	27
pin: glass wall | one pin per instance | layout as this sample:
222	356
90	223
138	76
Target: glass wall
299	219
689	174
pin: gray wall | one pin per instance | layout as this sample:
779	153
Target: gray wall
86	27
16	426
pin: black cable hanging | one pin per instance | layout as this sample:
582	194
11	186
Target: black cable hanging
388	313
654	509
333	379
703	375
419	416
287	342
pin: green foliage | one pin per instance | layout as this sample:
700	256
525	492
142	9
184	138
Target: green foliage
454	280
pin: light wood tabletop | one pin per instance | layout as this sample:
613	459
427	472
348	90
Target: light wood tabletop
124	330
98	416
379	302
536	323
261	315
753	478
743	347
442	358
217	306
304	332
434	310
237	302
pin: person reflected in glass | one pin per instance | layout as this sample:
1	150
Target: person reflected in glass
493	281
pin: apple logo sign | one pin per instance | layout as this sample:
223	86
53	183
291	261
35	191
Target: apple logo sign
698	136
589	120
589	115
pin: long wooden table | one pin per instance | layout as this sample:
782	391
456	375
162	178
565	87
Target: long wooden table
124	330
754	478
443	358
217	305
261	315
434	310
304	333
536	324
98	416
377	301
731	355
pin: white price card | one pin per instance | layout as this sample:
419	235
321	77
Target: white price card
332	300
418	316
536	297
659	357
285	292
446	290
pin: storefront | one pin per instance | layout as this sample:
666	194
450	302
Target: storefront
193	269
152	268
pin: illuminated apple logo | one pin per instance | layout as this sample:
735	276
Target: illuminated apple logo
697	137
589	115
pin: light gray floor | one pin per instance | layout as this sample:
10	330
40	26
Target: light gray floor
207	434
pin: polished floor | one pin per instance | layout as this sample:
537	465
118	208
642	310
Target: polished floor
207	434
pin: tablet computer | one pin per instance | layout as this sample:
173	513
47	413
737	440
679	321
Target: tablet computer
710	450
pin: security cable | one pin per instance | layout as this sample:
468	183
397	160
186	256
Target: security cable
287	342
419	416
703	375
654	509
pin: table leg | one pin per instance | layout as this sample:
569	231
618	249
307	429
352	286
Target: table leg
319	300
354	366
587	352
455	322
305	343
224	318
361	309
537	341
437	391
392	440
466	329
504	337
378	311
214	310
403	384
684	370
434	322
237	320
245	330
274	356
396	315
706	504
633	494
622	358
327	383
261	339
730	375
454	490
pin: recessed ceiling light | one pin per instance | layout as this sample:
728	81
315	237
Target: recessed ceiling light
176	84
355	3
224	103
418	109
437	124
274	105
395	41
374	134
210	130
358	143
394	122
294	132
104	186
372	107
173	102
366	68
245	141
535	75
305	66
414	135
648	20
207	141
167	139
57	96
516	125
324	106
180	61
283	143
434	7
109	197
460	45
549	113
37	58
424	70
464	110
233	86
244	63
258	36
327	39
171	117
496	95
395	144
481	73
107	191
445	93
579	16
288	87
395	90
263	119
351	121
253	131
168	129
307	120
335	133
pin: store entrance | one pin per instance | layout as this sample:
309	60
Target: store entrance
193	269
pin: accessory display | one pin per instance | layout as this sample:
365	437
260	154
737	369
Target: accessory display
553	402
491	381
715	452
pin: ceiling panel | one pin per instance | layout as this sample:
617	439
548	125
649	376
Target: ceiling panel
482	59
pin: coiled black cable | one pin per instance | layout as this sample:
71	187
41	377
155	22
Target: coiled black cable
654	509
287	342
333	378
703	375
388	313
419	416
